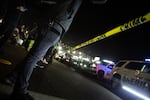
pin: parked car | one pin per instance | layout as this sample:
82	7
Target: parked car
133	76
104	69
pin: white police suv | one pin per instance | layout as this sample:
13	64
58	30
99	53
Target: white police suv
133	76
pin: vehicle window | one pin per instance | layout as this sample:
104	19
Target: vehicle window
119	64
110	66
104	63
146	68
135	66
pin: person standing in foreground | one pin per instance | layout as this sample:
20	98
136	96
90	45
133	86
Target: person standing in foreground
65	12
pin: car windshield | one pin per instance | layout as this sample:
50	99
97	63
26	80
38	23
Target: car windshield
104	63
138	66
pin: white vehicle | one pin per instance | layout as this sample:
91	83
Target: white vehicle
133	76
104	69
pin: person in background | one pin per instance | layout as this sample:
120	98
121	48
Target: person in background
44	61
11	12
52	55
32	35
15	36
24	33
48	57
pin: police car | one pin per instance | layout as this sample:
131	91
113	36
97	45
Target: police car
104	69
132	76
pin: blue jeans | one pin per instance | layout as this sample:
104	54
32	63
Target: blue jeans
49	37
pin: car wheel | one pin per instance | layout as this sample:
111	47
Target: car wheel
115	82
100	74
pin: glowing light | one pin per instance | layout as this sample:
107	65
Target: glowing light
147	60
108	61
60	52
93	65
81	64
75	57
1	20
135	93
86	59
80	57
98	62
80	53
68	51
96	58
74	52
84	65
59	48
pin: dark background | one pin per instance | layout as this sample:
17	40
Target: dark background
95	19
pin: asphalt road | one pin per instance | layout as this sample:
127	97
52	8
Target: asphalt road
60	80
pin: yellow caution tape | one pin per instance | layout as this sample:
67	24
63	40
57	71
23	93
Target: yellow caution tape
135	22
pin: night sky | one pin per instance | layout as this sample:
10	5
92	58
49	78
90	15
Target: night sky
93	20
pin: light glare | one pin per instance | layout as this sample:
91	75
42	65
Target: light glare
135	93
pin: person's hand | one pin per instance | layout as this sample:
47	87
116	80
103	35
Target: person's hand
21	8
